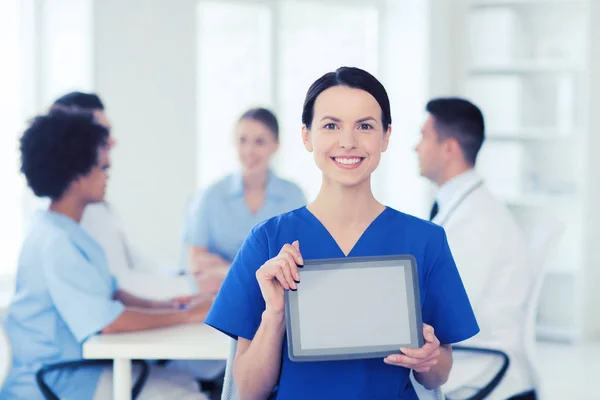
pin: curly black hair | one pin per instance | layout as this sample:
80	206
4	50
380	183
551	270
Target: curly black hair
59	147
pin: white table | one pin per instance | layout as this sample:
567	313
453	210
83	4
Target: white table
182	342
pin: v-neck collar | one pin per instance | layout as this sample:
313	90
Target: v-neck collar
328	234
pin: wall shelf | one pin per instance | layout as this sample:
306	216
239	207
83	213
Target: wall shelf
519	3
526	64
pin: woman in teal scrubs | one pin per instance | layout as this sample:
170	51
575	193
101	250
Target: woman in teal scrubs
346	125
64	291
223	214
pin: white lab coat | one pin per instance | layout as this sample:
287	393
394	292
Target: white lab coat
492	258
135	273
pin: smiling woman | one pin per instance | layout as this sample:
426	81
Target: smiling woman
223	214
347	126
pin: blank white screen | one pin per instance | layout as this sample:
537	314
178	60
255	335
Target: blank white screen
353	307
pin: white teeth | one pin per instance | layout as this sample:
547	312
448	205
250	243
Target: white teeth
347	161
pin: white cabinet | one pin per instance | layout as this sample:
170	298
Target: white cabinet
526	64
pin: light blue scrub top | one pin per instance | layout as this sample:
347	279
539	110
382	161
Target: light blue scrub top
63	295
238	308
220	219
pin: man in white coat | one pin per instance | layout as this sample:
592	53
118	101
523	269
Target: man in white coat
489	248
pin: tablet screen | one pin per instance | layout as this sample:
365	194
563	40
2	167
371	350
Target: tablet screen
354	307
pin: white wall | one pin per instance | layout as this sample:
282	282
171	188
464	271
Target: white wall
144	68
591	277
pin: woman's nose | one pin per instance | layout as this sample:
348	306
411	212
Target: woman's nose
348	139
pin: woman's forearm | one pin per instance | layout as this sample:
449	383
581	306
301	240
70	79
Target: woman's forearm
256	368
438	374
132	320
133	301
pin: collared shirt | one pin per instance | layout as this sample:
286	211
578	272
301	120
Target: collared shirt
238	308
457	185
64	294
220	219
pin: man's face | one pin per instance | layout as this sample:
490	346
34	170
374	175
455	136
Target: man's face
431	151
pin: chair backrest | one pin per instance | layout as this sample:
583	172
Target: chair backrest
5	355
543	233
230	391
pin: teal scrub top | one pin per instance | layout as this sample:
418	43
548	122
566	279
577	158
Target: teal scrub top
64	294
220	220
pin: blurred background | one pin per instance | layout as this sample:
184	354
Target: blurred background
176	75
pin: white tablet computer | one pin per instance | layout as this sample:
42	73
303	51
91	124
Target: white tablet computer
351	308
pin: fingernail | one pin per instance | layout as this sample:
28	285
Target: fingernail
300	265
293	290
430	338
403	349
297	277
296	281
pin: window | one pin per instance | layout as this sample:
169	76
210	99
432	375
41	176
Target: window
10	125
32	74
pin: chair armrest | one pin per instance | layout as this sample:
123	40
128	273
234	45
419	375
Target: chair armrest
50	395
481	392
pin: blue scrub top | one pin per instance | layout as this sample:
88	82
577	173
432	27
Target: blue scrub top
445	306
63	295
220	219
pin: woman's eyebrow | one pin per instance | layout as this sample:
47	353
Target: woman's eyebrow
331	118
365	119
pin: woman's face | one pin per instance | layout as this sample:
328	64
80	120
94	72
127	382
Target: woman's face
92	186
347	136
256	144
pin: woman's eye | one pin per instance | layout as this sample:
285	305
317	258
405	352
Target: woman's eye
260	142
330	126
365	127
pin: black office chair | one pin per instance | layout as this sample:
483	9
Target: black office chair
50	395
482	385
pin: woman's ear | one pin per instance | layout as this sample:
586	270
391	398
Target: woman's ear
306	139
386	139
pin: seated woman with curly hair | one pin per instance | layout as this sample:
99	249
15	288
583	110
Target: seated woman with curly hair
64	291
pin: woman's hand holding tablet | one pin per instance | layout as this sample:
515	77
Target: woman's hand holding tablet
279	274
422	359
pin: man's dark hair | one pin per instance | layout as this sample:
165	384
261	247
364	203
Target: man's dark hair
459	119
59	147
265	117
81	100
352	77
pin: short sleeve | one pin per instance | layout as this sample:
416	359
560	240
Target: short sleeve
446	306
238	307
197	228
82	293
